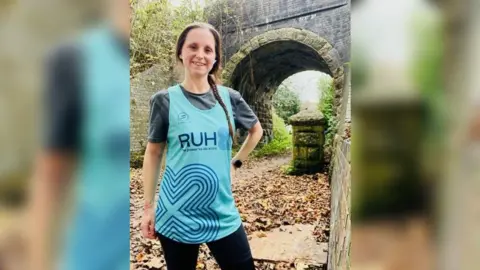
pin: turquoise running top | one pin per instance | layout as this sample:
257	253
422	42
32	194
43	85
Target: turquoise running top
196	203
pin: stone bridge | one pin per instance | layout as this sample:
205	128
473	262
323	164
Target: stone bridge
266	41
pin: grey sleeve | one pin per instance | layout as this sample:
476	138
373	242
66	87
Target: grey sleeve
158	120
242	113
63	99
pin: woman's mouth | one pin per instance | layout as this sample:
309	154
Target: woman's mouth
198	64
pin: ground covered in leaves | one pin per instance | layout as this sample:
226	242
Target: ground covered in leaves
266	199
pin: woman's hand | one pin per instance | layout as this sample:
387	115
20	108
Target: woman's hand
151	162
148	223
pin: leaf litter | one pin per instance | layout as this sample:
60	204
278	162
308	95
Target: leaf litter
265	198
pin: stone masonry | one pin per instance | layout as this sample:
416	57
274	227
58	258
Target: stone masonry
308	139
142	87
267	41
340	220
340	183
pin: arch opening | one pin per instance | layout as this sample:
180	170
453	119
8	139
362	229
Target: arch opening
261	71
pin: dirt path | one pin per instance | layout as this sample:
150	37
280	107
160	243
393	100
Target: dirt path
252	168
267	201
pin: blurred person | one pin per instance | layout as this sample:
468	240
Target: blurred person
85	153
194	121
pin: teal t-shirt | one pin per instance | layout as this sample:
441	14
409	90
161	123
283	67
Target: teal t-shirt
196	203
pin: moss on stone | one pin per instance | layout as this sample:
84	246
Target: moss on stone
308	139
307	118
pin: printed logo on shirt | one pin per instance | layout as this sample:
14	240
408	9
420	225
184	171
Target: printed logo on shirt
183	117
205	141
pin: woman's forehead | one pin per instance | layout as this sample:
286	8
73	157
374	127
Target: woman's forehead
200	36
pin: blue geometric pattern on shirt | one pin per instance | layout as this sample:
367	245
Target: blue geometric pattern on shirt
223	138
196	207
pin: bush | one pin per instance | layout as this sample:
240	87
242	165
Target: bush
327	108
286	102
281	143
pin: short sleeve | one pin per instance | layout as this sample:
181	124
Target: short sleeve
242	113
62	99
159	120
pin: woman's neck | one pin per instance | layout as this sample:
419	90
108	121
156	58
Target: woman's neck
196	85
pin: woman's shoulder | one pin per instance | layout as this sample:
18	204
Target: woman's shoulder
234	94
161	96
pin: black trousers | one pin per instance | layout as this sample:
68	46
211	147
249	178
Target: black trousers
231	252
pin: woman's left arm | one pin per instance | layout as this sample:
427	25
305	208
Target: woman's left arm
255	133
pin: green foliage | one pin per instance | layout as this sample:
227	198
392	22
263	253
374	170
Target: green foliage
427	68
155	29
326	106
286	102
288	169
281	143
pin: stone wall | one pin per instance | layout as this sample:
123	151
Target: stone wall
340	220
340	183
142	87
329	19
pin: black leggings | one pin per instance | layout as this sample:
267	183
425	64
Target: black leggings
231	252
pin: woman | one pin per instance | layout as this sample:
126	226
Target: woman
196	120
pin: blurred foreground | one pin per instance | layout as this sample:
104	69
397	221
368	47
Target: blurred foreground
63	178
415	143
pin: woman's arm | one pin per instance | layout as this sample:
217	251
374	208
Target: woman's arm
52	176
254	135
151	169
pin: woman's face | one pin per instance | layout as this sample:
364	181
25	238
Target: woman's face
198	52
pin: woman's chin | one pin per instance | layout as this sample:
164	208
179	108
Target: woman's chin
198	73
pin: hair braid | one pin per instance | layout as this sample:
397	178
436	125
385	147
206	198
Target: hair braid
213	85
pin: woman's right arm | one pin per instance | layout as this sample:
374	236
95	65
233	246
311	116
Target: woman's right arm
154	154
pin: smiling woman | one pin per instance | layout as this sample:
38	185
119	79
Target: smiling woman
195	122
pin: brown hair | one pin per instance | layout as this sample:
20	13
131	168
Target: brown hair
214	74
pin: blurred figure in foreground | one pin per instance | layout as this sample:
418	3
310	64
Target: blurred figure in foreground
85	158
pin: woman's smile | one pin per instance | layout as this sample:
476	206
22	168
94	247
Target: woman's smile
198	64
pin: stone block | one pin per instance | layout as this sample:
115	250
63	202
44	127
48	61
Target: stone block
306	166
308	129
318	43
308	118
308	139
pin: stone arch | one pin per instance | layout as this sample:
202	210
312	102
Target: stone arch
262	63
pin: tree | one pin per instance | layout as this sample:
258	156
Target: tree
155	28
286	102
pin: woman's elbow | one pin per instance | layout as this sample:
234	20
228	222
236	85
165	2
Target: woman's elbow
154	149
257	129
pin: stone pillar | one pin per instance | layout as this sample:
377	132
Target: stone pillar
308	139
388	154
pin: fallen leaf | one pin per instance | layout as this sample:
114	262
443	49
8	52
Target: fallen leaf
261	234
